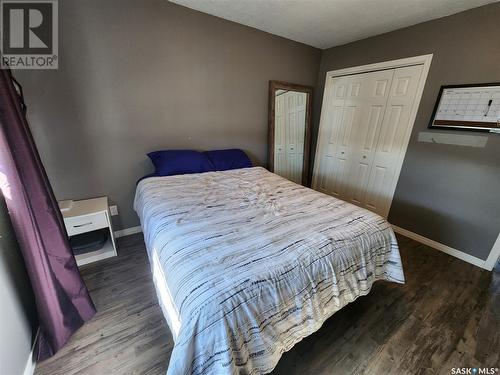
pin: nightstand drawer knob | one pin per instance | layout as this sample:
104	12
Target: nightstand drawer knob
82	225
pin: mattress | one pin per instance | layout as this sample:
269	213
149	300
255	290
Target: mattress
247	263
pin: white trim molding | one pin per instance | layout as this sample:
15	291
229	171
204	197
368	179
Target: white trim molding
425	61
127	231
494	255
444	248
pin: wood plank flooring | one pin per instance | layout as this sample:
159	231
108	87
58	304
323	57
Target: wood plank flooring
446	315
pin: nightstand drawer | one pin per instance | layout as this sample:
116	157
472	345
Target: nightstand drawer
86	223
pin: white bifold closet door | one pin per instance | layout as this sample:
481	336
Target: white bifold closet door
362	135
290	119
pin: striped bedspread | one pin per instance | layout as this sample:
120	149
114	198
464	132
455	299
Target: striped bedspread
246	264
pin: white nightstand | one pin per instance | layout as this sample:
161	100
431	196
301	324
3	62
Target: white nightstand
87	215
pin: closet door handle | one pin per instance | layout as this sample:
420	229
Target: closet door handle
364	156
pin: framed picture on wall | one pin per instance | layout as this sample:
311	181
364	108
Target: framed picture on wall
468	107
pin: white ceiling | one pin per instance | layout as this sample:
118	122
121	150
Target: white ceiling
328	23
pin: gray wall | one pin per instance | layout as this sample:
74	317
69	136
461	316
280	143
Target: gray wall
136	76
447	193
17	311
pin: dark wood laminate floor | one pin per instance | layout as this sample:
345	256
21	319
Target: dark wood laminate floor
446	315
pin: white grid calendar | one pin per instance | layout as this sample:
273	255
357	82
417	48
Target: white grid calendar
470	104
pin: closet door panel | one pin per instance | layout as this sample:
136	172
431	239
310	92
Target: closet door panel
391	129
290	133
332	163
338	181
295	176
371	101
323	176
330	160
294	129
301	99
375	197
363	135
364	153
279	162
341	182
338	174
344	129
361	173
391	140
301	116
279	136
374	101
375	116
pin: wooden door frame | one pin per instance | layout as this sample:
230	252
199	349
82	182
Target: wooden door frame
424	60
281	85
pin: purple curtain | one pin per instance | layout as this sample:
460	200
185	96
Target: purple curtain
62	300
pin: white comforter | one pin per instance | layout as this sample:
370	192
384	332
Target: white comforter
246	264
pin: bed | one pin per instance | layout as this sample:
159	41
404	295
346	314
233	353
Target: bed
247	263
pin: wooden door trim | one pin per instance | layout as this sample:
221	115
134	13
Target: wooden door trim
424	60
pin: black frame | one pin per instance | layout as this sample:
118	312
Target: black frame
461	128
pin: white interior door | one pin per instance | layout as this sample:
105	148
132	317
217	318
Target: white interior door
372	91
334	140
356	108
391	139
362	135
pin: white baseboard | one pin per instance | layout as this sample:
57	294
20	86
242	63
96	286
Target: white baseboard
494	255
445	249
127	231
29	369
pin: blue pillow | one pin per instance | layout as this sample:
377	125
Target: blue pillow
223	160
172	162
